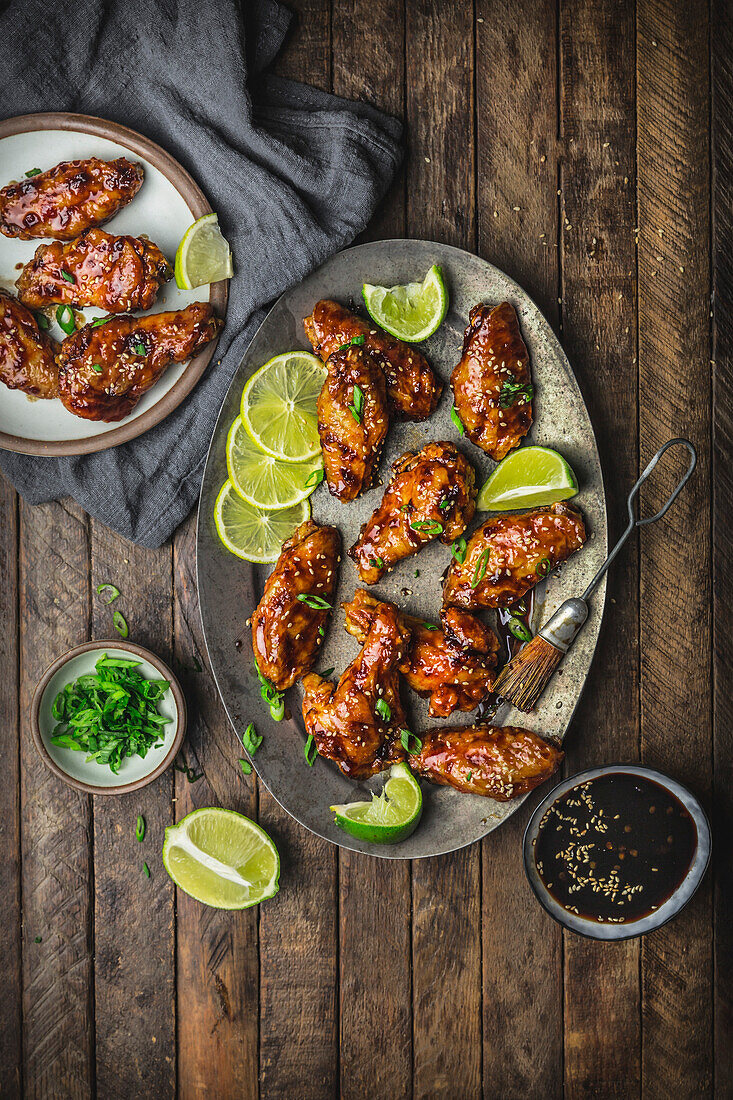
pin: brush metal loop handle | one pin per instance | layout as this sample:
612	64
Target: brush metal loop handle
631	504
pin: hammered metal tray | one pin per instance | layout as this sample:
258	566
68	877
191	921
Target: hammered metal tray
229	588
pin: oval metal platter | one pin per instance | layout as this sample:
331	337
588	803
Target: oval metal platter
229	588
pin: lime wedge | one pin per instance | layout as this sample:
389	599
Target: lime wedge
279	406
410	312
203	255
391	816
221	858
264	481
254	533
528	478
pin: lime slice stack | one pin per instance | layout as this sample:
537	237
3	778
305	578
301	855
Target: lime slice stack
389	817
264	481
528	478
412	311
222	858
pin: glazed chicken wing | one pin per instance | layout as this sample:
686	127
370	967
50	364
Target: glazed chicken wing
501	763
116	274
26	353
431	495
352	421
412	388
358	724
454	666
492	387
289	622
509	554
104	369
74	196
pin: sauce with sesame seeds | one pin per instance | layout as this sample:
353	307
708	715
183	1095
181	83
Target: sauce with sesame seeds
615	848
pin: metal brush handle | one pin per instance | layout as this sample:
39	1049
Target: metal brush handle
562	628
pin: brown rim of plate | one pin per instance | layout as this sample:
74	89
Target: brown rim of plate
138	651
197	203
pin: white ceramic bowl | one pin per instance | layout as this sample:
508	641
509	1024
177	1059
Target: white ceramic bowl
72	766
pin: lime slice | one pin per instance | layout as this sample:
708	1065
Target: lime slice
253	533
264	481
410	312
279	406
390	816
203	255
221	858
528	478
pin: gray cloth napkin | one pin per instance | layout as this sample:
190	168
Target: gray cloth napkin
293	173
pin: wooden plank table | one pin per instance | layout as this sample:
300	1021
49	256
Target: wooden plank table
586	148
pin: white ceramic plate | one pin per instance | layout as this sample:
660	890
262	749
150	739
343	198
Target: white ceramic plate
164	207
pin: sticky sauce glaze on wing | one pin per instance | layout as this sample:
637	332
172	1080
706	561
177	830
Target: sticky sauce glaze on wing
65	200
412	387
27	355
509	554
491	385
105	369
287	631
114	274
499	762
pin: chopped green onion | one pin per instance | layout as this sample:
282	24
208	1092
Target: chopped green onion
511	392
357	406
38	939
111	588
97	367
417	572
65	318
272	697
146	869
431	626
457	420
68	276
429	526
97	321
480	571
111	713
326	672
458	550
407	738
120	624
33	172
376	563
310	750
140	828
251	739
245	766
543	567
445	505
321	632
189	773
315	602
355	341
404	507
519	629
315	478
139	348
468	776
383	709
43	322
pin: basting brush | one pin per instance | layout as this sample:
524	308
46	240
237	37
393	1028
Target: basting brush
526	676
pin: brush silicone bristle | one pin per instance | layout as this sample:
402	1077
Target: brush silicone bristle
524	679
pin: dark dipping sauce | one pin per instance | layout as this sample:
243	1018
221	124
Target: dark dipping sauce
614	848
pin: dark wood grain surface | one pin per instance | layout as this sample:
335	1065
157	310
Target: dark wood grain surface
586	148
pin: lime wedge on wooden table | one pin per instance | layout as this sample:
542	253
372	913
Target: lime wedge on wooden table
222	858
279	406
391	816
203	255
412	311
254	533
528	478
264	481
